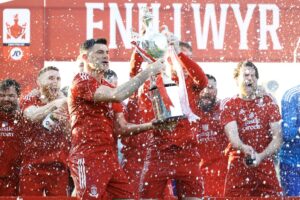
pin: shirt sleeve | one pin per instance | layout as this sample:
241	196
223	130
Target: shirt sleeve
84	87
227	112
290	125
194	70
135	64
273	110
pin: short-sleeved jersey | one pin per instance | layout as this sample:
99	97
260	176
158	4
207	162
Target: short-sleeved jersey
212	140
91	121
182	135
253	119
135	146
12	129
42	146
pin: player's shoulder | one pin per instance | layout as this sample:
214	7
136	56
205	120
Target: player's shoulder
82	76
291	94
224	103
267	97
30	97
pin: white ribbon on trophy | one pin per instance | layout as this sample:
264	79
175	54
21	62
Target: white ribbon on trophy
183	96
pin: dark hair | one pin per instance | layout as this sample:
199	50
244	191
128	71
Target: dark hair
88	44
186	45
211	77
110	73
45	69
7	83
237	70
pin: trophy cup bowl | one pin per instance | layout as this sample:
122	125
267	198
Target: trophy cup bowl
156	46
163	91
162	113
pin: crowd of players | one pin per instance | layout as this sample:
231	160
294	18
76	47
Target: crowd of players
52	141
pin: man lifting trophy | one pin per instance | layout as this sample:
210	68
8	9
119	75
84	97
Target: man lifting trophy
169	100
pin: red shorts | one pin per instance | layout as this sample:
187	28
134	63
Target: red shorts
100	177
133	168
51	179
214	178
9	185
172	163
243	181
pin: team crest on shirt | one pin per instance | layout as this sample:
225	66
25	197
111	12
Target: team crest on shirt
242	111
205	127
216	116
110	112
260	102
251	115
94	192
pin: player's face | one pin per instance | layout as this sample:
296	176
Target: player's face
50	82
208	96
9	101
98	57
247	81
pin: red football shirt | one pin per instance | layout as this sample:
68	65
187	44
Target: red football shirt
212	142
211	137
42	146
184	134
91	122
253	118
195	82
12	128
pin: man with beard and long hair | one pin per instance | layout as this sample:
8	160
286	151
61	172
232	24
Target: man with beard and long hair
212	140
252	125
13	126
44	167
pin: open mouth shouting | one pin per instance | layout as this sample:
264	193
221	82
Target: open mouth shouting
105	63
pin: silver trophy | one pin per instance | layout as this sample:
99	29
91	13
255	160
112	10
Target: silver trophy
164	92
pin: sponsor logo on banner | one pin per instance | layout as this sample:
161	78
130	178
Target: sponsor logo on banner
16	53
16	27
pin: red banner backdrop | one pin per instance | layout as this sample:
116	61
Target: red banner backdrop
219	31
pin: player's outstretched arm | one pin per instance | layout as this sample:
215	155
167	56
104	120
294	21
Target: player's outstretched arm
120	93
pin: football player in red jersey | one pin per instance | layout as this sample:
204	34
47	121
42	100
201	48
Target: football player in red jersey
165	155
252	125
212	140
44	167
13	125
93	159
